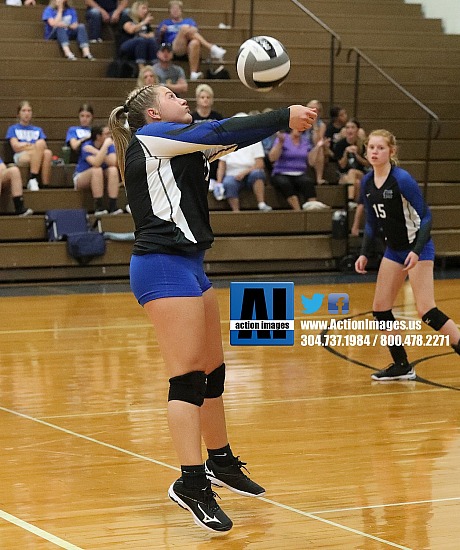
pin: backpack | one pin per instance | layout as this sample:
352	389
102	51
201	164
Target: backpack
122	68
72	225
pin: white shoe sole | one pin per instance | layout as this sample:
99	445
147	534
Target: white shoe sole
219	483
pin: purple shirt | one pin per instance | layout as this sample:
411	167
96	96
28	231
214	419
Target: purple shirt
293	158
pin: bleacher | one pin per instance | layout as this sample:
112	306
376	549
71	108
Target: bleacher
413	50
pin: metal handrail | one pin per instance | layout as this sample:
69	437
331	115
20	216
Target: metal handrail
336	41
432	116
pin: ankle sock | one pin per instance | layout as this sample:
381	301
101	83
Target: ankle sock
98	204
18	204
399	354
194	477
222	457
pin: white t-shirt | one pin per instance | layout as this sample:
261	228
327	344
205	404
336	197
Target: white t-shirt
242	159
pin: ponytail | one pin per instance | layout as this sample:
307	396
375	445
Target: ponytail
121	135
126	119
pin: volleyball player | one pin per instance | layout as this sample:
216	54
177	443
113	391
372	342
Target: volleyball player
393	202
164	162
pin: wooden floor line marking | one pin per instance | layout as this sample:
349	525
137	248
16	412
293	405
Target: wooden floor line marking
160	463
411	503
38	532
334	524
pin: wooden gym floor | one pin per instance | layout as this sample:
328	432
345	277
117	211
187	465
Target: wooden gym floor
348	464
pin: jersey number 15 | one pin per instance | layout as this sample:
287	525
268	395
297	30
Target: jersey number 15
379	210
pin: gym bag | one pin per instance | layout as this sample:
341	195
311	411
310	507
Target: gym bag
72	225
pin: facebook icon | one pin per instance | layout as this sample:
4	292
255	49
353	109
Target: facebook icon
338	303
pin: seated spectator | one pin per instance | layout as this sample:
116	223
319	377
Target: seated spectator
147	77
204	95
289	156
350	156
169	74
317	138
335	129
11	177
239	169
185	39
61	24
98	164
102	11
136	40
29	147
267	144
77	135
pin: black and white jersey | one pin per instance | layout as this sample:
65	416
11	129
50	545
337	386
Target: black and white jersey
398	208
167	177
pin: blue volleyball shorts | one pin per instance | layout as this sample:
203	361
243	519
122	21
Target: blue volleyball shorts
154	276
400	256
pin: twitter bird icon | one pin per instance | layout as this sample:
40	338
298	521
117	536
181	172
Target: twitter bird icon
311	305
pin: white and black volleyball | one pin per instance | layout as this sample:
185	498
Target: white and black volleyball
262	63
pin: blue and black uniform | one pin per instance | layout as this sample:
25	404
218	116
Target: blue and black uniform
399	210
167	180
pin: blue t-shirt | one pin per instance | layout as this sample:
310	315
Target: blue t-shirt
83	164
30	134
69	16
172	28
78	132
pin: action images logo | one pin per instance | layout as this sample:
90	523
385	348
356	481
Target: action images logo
262	314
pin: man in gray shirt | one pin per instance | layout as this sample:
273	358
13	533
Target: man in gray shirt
169	74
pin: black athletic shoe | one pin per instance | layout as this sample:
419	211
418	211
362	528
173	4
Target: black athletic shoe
202	505
233	478
401	371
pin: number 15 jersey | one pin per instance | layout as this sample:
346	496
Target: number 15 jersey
398	208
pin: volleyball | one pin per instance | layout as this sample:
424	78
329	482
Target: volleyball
262	63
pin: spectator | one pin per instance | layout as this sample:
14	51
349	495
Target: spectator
169	74
102	11
317	138
29	147
61	24
98	164
204	95
267	144
350	156
11	177
335	128
289	156
76	135
185	39
240	169
136	37
147	77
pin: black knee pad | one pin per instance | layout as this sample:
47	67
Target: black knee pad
215	382
190	387
383	315
435	319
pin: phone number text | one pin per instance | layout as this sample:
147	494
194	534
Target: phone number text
359	340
